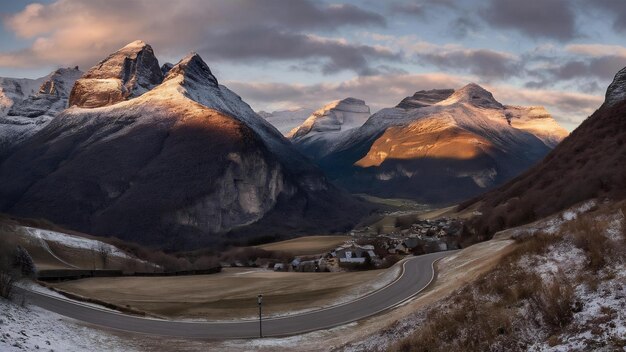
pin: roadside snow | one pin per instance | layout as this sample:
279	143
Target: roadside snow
31	328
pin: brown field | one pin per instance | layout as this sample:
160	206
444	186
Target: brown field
229	294
308	245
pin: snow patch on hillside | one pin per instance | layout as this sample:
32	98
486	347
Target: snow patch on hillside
73	241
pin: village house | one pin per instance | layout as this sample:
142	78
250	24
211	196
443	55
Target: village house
354	253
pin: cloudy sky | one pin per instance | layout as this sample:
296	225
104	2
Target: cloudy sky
281	54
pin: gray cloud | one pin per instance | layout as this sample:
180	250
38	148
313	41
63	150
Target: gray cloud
614	8
486	63
462	26
586	72
251	43
420	8
554	19
244	30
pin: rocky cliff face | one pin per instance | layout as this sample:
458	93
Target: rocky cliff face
184	165
127	73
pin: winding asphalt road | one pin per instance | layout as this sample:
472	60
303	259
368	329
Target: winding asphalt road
416	275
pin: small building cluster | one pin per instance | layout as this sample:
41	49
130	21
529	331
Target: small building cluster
423	236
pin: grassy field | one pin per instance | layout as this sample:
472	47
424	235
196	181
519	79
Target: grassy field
308	245
231	293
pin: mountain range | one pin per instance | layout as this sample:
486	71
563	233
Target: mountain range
178	161
438	146
168	156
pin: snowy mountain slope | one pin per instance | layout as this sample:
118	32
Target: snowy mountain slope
30	111
286	120
536	120
446	151
176	167
320	131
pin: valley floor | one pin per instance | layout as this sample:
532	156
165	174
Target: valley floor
232	293
571	297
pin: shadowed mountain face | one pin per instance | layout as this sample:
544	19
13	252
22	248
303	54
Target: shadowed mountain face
440	146
589	163
183	165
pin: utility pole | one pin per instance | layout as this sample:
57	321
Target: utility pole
260	302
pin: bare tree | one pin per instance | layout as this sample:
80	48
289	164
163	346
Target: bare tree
104	253
7	272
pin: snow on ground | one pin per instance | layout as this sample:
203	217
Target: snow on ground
550	225
602	319
73	241
31	328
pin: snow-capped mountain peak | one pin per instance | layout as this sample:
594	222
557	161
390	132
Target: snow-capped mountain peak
60	82
336	116
475	95
193	70
127	73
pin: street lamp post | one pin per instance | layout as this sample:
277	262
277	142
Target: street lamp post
260	302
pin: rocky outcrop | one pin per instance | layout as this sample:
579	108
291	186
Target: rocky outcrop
616	92
194	72
165	69
127	73
424	98
31	105
51	97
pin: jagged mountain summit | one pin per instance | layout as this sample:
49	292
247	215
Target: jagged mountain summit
588	164
127	73
27	105
439	147
184	164
286	120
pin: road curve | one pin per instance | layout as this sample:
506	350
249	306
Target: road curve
416	275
